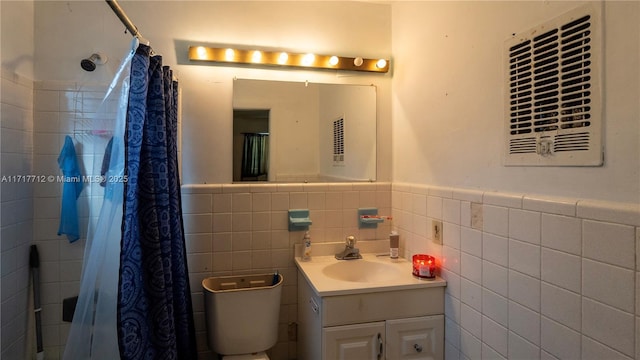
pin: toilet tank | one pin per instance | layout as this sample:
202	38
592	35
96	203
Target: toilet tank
242	312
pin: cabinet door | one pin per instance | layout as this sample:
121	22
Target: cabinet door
354	342
416	338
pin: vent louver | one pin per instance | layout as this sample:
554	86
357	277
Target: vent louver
553	112
338	140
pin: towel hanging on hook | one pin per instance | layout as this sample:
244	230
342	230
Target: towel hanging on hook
71	190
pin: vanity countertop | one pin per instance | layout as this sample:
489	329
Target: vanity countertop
372	273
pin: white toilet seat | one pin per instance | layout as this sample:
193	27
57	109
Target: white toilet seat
257	356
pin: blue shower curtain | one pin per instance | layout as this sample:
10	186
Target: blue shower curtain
255	161
155	318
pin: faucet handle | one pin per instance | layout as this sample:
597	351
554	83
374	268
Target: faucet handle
350	241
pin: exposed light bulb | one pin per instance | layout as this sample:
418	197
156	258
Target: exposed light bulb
256	56
308	59
333	61
202	52
283	57
358	61
229	54
381	63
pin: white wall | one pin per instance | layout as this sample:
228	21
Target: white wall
17	37
70	31
448	99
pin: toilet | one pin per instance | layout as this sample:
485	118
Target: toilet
242	314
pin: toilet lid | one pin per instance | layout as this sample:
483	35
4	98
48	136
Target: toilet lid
256	356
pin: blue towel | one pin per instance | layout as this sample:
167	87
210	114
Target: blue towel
106	161
70	191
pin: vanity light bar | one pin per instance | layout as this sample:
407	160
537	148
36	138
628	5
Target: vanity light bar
281	58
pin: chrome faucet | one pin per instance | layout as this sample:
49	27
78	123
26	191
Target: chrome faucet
350	251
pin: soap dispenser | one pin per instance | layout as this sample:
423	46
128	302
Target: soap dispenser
306	253
394	240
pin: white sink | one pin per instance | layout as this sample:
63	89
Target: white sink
362	271
372	273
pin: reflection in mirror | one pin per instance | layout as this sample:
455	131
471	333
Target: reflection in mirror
250	145
303	132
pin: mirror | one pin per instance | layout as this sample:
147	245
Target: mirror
303	132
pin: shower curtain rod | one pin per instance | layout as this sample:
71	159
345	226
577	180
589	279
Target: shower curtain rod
124	18
133	30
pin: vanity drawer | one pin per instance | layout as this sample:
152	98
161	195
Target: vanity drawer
378	306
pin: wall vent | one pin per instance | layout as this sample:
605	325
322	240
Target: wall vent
553	98
338	140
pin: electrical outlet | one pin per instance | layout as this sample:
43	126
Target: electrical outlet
436	231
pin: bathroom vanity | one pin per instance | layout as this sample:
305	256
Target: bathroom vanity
371	308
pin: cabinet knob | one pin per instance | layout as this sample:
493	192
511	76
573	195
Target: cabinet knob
417	347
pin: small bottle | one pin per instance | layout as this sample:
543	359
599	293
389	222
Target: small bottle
306	252
394	240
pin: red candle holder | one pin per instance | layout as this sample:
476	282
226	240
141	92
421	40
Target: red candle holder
424	266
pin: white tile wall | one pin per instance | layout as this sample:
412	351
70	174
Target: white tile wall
62	109
495	249
238	229
593	350
561	305
16	213
609	284
471	294
471	321
539	277
559	340
524	257
561	269
519	348
524	322
524	289
495	336
470	346
609	242
471	267
495	307
562	233
471	241
495	278
608	325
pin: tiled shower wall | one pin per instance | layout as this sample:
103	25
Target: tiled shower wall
242	229
16	223
530	277
62	109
